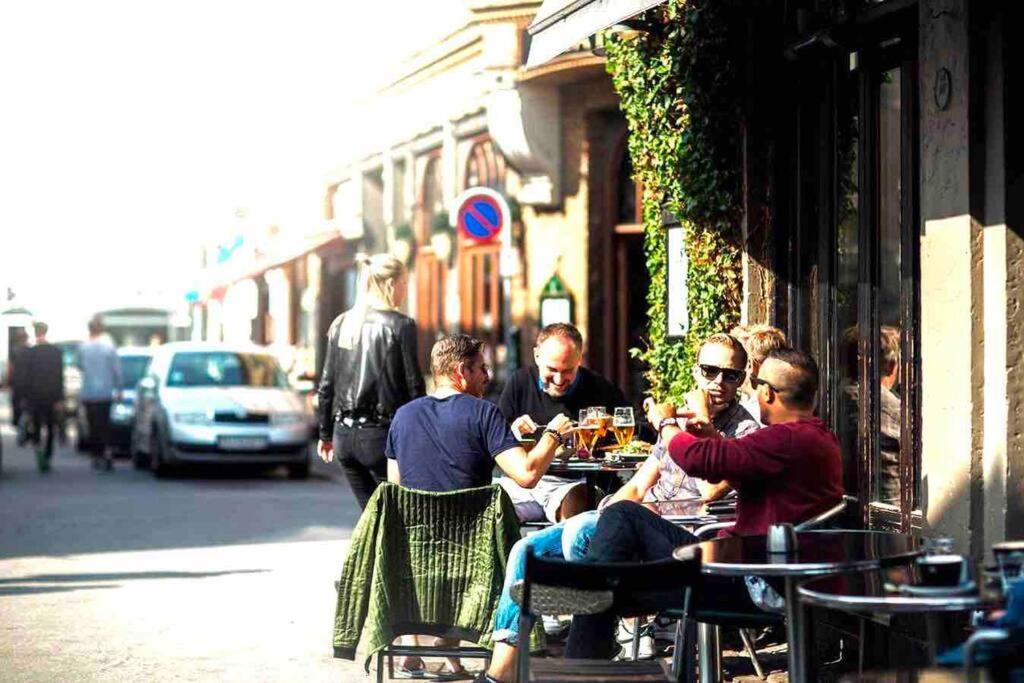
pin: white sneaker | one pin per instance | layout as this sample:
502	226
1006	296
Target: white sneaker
624	635
553	626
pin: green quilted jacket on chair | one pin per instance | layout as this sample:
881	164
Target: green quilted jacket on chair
424	563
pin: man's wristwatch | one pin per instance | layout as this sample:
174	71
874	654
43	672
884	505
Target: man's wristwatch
666	421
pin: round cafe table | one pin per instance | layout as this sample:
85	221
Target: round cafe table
818	553
882	590
897	590
591	469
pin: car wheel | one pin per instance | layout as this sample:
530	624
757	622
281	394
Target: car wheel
157	464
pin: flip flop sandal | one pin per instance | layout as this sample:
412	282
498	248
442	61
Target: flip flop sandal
417	672
447	673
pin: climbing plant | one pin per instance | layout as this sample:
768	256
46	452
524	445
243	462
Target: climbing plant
680	83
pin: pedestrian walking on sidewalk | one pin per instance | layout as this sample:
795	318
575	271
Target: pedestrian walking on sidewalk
44	393
101	385
370	371
18	379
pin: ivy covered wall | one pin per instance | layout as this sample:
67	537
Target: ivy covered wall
680	84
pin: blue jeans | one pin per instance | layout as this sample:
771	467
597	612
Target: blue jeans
569	540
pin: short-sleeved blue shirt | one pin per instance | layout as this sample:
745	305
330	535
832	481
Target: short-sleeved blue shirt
445	444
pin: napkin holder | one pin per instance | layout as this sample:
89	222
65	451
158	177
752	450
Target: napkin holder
782	539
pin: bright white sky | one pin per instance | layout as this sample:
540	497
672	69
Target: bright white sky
132	129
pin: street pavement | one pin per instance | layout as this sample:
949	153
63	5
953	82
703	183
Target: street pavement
218	575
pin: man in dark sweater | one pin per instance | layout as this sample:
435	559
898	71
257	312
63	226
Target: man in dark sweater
789	471
45	393
533	396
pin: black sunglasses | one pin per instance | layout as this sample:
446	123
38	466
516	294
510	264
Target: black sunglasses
730	375
756	381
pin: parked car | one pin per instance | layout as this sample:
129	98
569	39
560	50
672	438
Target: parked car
219	403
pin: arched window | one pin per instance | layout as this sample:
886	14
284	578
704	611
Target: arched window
429	271
485	167
431	196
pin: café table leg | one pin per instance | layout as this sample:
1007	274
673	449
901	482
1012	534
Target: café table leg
796	633
709	653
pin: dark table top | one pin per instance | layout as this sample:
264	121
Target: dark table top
575	466
690	512
818	553
886	590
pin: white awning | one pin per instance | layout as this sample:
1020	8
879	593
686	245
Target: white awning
562	24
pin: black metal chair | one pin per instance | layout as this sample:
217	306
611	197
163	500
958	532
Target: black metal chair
626	589
710	620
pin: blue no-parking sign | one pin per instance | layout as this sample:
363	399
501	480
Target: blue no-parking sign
480	217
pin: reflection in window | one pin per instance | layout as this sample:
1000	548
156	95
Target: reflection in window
846	278
890	202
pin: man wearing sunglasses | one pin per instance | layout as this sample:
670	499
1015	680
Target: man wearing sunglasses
789	471
719	373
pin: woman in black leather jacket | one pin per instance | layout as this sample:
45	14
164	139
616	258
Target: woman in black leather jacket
370	371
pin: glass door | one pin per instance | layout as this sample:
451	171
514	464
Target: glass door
875	280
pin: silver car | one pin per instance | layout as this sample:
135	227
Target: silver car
219	403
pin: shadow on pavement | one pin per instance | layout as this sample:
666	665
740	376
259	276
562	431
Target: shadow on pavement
123	576
41	590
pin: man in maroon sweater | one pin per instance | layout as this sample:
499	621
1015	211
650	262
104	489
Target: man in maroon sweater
789	471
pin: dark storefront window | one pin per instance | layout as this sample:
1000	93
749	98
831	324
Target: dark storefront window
886	476
849	262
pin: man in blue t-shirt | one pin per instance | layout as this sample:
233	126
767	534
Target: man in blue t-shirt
452	438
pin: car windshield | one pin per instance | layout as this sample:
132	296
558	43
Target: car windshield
224	369
132	370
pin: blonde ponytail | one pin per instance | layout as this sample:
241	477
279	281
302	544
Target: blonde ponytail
375	288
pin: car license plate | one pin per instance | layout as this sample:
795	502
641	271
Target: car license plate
242	443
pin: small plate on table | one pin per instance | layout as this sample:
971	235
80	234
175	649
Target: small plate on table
619	451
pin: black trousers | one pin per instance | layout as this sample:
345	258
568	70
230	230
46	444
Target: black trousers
44	416
17	402
360	454
97	414
628	532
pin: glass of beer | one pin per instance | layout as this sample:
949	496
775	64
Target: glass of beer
623	426
584	434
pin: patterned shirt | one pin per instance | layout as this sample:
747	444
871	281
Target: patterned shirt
673	483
